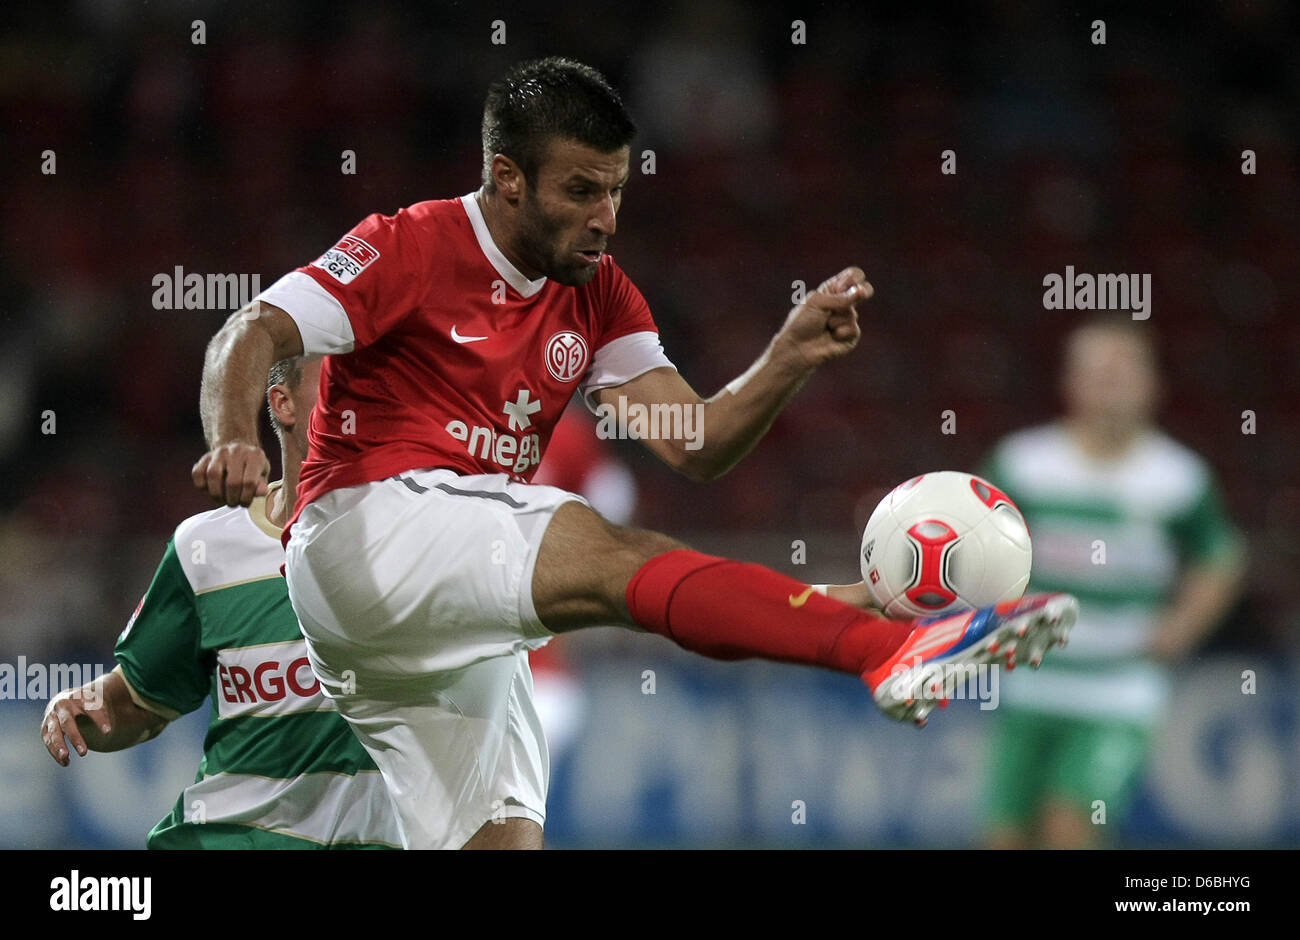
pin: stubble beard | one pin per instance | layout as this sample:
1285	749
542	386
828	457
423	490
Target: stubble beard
536	244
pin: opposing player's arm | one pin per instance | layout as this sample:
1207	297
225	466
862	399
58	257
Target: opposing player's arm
1206	592
235	470
822	328
98	716
1214	556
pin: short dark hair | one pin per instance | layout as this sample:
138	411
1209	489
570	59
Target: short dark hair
545	99
286	372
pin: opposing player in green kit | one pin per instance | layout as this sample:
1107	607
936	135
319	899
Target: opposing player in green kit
280	768
1130	521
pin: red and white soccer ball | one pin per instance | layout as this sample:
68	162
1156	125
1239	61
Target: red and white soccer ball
942	542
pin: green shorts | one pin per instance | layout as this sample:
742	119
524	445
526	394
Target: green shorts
1039	756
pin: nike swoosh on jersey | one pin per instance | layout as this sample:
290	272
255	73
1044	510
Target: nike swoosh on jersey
801	599
465	339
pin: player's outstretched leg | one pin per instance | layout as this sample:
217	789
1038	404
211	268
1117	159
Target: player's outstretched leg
590	572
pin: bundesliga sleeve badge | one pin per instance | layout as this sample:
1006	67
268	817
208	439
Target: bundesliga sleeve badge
347	259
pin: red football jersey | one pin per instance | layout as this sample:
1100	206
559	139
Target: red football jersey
440	353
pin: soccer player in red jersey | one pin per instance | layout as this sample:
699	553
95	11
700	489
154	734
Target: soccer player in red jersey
422	563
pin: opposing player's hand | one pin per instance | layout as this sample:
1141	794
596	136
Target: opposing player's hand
825	325
61	719
233	473
1169	643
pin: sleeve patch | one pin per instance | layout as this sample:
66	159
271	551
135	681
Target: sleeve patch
131	623
347	259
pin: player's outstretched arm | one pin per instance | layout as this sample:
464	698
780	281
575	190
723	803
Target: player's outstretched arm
235	470
97	716
822	328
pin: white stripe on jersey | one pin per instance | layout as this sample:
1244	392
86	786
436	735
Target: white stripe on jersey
225	547
322	807
267	680
1157	476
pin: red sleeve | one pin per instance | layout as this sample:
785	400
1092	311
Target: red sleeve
623	309
375	273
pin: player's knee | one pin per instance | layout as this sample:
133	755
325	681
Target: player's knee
609	545
637	546
506	834
585	565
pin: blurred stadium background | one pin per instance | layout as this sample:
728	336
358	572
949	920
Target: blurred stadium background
775	162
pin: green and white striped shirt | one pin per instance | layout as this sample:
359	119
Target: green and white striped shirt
1117	534
280	766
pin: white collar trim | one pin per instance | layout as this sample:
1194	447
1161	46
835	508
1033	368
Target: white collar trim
508	271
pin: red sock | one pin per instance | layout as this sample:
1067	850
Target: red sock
732	610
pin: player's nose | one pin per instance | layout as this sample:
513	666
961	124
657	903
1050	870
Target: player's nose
604	219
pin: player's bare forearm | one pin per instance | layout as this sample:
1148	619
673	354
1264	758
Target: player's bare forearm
732	422
1204	596
703	439
735	419
129	724
98	716
239	357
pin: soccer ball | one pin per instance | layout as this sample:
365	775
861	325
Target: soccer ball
943	542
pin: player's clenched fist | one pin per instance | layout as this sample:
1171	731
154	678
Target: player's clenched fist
825	325
233	473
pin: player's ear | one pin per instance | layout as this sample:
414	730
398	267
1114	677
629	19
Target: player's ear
508	178
281	404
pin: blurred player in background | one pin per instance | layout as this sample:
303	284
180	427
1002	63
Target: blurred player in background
280	769
423	563
1131	522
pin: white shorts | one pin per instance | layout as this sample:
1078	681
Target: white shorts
415	598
